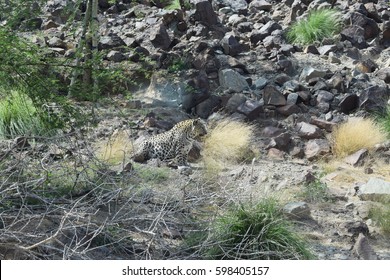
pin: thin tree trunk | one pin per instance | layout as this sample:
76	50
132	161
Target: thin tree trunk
95	41
87	75
79	49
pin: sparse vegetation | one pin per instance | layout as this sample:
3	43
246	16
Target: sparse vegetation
381	216
253	232
356	134
319	24
115	150
228	142
175	5
384	120
153	174
315	191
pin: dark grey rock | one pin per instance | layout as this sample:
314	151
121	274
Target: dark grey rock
324	96
232	80
257	5
327	125
260	83
110	42
371	28
310	73
272	96
349	103
207	107
235	101
204	13
288	110
159	37
311	49
326	49
374	99
251	109
230	45
354	34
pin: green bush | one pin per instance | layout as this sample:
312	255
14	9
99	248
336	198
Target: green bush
315	191
18	116
381	216
384	121
253	232
319	24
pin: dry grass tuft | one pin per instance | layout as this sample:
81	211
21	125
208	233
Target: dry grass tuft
117	149
356	134
228	142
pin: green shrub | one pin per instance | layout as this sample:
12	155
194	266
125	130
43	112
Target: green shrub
253	232
315	191
381	216
384	121
175	5
319	24
18	116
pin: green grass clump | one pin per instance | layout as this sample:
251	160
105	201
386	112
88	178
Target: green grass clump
175	5
319	24
315	191
384	120
381	216
19	116
254	232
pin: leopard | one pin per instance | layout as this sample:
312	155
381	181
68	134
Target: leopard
174	145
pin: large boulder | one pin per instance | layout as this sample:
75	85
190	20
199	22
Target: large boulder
232	80
204	13
375	190
374	99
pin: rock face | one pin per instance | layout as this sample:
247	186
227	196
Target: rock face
233	57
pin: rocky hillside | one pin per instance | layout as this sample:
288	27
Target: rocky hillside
230	58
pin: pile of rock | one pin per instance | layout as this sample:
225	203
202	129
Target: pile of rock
237	60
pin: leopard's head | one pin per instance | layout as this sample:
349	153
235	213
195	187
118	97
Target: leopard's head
198	128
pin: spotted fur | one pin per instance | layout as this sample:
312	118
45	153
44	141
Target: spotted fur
173	145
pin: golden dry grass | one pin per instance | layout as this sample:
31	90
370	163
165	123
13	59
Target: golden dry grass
115	150
356	134
227	143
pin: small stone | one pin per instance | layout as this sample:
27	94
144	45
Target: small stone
327	125
316	148
310	73
288	109
251	109
357	158
297	211
275	154
272	96
308	131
